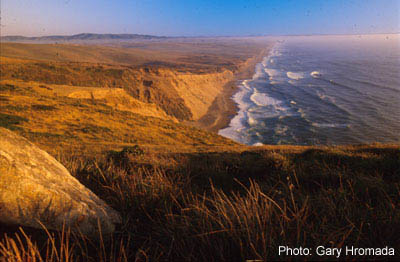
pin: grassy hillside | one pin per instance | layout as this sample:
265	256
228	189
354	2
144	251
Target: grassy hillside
114	116
231	206
79	53
83	118
183	79
190	55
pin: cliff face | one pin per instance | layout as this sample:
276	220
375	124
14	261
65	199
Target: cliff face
182	95
120	100
186	96
199	91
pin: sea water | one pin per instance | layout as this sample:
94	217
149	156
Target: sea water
325	90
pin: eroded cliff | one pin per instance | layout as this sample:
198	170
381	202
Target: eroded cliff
182	95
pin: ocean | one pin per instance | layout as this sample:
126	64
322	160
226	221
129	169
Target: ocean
322	90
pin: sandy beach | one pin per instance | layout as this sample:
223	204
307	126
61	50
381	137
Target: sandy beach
223	109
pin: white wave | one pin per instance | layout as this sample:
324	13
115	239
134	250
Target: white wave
259	72
246	85
265	61
258	144
293	102
237	124
237	127
292	82
329	125
275	76
271	72
315	74
295	75
275	52
252	121
262	99
280	108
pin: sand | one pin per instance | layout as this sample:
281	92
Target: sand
223	108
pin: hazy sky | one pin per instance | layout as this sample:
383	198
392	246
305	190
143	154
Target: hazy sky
202	17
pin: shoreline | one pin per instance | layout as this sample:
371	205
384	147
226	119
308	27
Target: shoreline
223	108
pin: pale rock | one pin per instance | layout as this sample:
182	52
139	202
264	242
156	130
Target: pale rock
36	187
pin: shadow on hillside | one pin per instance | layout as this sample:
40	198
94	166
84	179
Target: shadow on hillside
223	169
203	204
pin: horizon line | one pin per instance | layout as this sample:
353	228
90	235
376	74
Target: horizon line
204	36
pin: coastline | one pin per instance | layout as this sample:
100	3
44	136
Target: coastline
223	108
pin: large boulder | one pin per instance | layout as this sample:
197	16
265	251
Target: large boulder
36	189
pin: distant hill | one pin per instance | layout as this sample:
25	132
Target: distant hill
79	37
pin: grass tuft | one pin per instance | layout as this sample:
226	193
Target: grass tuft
208	207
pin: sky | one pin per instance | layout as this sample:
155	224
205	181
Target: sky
199	18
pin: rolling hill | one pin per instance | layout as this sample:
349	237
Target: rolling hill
78	37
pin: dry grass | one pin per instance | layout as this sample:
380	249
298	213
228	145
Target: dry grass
185	54
228	206
22	248
181	77
178	94
48	116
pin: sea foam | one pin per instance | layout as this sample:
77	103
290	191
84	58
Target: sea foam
330	125
271	73
262	99
236	126
315	74
295	75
